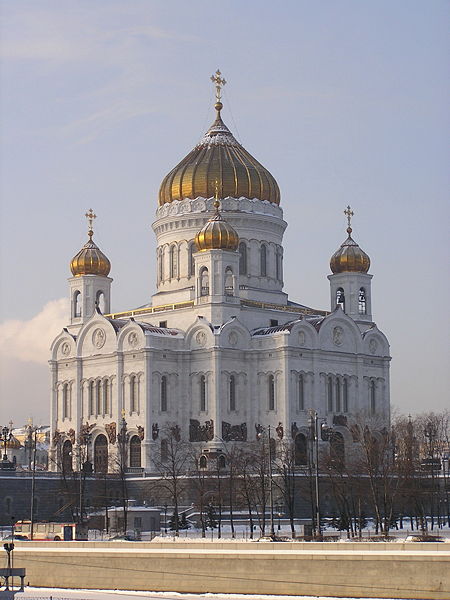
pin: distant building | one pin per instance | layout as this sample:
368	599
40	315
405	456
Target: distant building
220	352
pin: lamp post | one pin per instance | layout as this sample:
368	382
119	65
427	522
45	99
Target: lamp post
5	437
32	444
314	458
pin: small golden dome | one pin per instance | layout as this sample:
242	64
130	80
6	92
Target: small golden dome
90	260
219	157
217	234
350	257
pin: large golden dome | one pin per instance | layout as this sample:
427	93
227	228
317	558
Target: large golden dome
217	234
90	260
219	157
349	257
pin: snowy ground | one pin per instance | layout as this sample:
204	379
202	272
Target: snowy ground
61	594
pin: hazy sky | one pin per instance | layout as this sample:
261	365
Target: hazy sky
343	101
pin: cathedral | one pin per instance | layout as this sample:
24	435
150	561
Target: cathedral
221	352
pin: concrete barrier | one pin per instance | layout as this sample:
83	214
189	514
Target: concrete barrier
364	570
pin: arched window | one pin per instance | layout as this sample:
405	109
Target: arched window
67	457
191	262
98	397
373	405
330	394
221	462
263	260
338	395
204	282
271	392
243	258
106	402
203	462
232	392
163	393
301	393
362	308
161	264
278	264
164	450
91	398
101	454
337	450
301	450
202	393
100	301
229	287
345	395
173	262
340	298
77	304
135	451
66	401
134	394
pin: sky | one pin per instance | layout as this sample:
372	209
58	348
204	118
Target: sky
345	102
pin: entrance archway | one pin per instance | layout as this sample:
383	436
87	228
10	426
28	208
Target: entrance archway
101	454
301	450
67	457
135	451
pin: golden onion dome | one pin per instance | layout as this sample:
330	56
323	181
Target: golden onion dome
90	260
349	257
217	234
219	157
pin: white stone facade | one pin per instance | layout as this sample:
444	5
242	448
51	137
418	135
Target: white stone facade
218	355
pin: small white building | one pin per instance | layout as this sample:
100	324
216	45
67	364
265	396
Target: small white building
220	350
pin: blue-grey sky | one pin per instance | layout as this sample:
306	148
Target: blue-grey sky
344	101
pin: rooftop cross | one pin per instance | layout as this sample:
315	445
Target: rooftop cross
219	82
90	216
349	214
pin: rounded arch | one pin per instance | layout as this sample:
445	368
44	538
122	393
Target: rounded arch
67	463
101	454
76	310
263	260
100	301
135	451
243	259
204	281
203	462
229	282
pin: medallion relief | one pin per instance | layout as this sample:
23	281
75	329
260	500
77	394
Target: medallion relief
338	336
65	348
99	338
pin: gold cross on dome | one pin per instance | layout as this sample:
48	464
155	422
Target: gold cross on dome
219	83
349	214
90	216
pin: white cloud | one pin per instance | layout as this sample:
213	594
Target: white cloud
30	340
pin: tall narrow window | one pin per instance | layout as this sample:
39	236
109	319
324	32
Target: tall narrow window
373	405
229	288
161	264
362	309
106	397
301	393
98	397
330	394
100	301
345	395
77	304
340	298
65	402
163	393
338	395
135	451
278	264
91	398
134	400
232	393
191	262
271	392
203	393
263	260
243	258
204	282
173	262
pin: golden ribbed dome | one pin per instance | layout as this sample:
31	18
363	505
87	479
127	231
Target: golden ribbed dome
219	157
350	257
217	234
90	260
